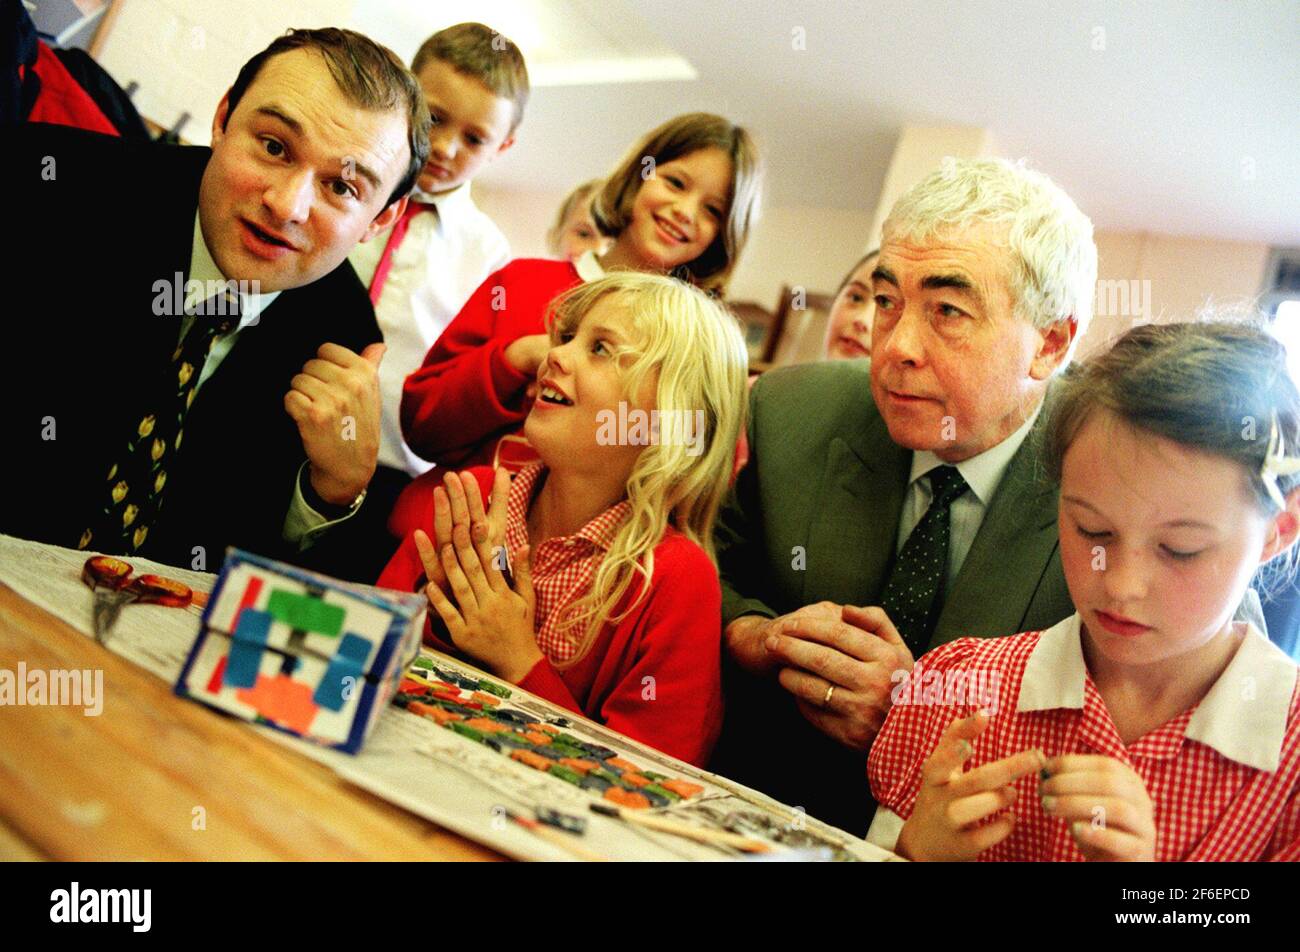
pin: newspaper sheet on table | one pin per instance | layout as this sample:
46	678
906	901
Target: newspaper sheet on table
436	773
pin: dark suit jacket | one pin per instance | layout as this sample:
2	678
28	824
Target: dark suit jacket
824	479
117	217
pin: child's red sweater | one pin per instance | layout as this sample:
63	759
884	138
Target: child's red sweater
467	395
656	675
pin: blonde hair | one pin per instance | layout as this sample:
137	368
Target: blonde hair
1053	273
571	201
612	206
698	350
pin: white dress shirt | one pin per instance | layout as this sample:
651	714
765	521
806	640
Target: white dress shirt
303	525
446	254
983	473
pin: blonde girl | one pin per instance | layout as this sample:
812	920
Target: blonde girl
574	229
615	604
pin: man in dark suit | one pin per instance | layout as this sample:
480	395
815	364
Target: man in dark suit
892	507
193	359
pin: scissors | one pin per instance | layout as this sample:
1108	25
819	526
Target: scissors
110	580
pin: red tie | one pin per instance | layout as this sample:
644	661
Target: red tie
395	237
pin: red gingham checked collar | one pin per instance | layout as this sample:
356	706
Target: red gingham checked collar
1243	716
564	567
600	531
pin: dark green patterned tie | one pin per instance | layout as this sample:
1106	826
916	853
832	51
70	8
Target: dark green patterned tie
133	493
912	594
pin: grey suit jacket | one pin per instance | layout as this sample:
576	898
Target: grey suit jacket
814	516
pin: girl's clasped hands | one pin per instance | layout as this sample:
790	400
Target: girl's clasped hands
488	615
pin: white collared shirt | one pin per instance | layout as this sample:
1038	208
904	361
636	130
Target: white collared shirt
1038	687
1250	734
204	276
588	267
983	474
444	257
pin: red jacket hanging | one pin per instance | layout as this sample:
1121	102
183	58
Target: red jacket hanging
62	101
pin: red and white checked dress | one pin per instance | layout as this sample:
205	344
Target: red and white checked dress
1223	776
563	568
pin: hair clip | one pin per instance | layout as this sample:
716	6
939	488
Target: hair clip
1277	463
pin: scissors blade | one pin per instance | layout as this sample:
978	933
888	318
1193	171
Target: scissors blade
108	605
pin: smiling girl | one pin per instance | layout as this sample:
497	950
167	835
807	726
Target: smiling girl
1150	724
615	608
681	202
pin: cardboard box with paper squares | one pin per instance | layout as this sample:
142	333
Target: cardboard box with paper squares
299	651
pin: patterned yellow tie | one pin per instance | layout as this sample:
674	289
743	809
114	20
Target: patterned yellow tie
135	482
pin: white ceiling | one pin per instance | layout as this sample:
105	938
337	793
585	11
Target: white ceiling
566	42
1184	121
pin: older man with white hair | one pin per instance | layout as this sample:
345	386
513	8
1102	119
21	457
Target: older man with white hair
890	508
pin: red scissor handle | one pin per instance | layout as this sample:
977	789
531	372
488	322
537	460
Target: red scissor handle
106	571
158	590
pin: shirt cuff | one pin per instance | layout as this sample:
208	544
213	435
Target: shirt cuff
303	525
885	828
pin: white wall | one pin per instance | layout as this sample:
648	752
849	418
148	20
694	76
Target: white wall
524	216
185	54
799	245
1168	278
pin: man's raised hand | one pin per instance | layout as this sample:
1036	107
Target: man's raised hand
335	403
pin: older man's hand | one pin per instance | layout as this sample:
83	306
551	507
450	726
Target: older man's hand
853	650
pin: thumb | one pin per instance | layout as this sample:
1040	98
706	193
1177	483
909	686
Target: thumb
524	575
374	353
428	555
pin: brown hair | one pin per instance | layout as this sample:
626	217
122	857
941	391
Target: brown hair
1216	386
682	135
481	53
873	253
370	75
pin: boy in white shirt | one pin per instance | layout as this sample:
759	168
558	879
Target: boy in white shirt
422	272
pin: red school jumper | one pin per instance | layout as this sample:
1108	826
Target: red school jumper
467	394
656	675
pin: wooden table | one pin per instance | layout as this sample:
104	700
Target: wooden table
134	782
